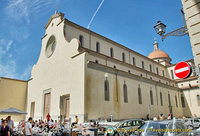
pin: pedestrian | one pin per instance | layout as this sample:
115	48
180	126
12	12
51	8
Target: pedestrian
48	117
51	124
147	116
1	124
169	117
161	116
28	127
5	130
56	124
76	121
1	121
10	124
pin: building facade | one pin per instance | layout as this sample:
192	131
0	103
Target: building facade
192	16
80	72
190	89
13	93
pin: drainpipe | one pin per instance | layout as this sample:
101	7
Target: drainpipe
156	92
117	85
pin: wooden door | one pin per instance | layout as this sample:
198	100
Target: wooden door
47	100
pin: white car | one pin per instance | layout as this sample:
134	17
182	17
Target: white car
192	122
163	128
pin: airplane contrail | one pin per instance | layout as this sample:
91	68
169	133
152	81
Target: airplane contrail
94	14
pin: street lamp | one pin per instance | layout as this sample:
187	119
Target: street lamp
161	29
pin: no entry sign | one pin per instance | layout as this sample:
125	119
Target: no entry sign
183	70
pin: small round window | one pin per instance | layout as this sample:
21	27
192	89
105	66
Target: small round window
50	47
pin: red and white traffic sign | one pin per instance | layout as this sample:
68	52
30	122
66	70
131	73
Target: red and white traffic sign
183	70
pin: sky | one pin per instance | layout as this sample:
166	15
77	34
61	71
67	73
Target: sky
128	22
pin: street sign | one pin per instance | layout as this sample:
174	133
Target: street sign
149	107
183	70
110	130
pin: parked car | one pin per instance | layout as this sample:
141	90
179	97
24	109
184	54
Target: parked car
163	128
192	122
127	126
195	132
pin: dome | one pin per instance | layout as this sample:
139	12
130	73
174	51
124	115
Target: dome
156	54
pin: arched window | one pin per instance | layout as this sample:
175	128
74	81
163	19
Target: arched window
133	60
161	99
111	52
106	90
198	100
150	68
97	47
176	101
182	100
151	97
172	74
123	57
163	72
143	64
125	93
157	71
81	39
139	95
169	99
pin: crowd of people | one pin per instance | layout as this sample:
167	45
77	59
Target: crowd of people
27	127
30	125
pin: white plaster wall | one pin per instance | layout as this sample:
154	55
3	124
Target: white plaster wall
60	73
191	98
98	107
90	40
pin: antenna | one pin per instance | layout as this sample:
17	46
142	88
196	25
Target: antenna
95	14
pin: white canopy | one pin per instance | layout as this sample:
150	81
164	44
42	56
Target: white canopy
12	111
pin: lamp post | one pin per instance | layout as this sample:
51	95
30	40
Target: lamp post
160	29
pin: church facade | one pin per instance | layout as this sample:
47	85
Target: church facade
80	72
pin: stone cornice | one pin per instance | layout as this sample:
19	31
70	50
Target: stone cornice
128	75
127	64
111	41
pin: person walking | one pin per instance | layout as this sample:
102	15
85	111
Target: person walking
5	130
48	117
10	124
28	127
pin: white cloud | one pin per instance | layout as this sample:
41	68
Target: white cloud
8	45
18	10
4	46
27	73
23	10
7	63
8	69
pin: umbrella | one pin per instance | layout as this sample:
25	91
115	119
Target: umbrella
12	111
